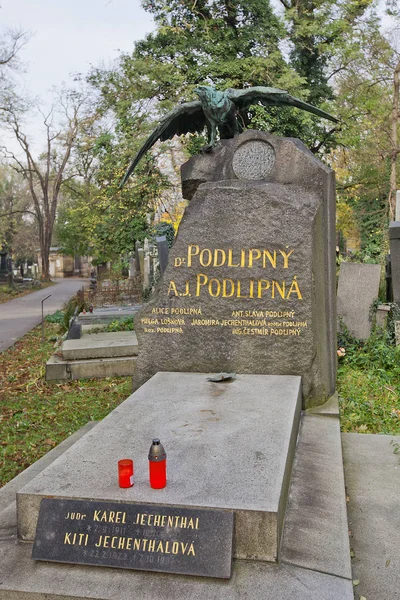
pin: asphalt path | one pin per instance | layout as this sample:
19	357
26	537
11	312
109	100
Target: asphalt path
19	316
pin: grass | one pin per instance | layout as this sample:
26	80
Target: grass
35	415
10	293
125	324
369	384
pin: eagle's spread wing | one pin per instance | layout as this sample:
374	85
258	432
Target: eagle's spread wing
272	97
185	118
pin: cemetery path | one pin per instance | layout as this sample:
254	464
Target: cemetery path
19	316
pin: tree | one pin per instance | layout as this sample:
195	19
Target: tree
367	151
96	217
14	203
323	35
11	42
228	44
46	174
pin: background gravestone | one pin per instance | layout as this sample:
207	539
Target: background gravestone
357	289
250	282
163	251
394	239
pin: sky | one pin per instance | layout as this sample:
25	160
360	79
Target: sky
70	37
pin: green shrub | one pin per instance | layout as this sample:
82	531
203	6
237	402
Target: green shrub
166	229
125	324
369	383
57	317
74	306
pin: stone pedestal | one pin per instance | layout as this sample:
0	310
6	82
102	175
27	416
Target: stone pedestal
250	282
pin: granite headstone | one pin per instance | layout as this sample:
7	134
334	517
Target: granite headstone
138	246
357	289
394	240
397	213
250	283
162	248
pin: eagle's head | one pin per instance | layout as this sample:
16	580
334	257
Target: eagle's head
203	91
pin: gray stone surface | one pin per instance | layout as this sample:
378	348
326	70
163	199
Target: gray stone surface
382	313
394	240
250	283
397	332
329	409
372	473
245	430
254	160
316	533
59	369
24	579
101	345
100	316
357	289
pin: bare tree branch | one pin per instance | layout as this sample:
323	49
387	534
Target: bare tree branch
46	174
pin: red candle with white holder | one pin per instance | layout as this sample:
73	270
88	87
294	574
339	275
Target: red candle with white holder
157	465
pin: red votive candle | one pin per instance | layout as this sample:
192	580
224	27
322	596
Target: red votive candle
125	473
157	465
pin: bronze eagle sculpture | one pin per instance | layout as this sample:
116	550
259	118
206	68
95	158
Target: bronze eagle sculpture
226	111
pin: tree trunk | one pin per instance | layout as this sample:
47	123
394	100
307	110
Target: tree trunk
394	143
44	254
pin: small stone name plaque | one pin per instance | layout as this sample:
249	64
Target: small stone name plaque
135	536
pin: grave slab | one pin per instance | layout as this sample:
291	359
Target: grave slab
230	446
21	578
101	345
357	289
59	369
316	532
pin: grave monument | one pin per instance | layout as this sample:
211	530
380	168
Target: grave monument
250	282
249	288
